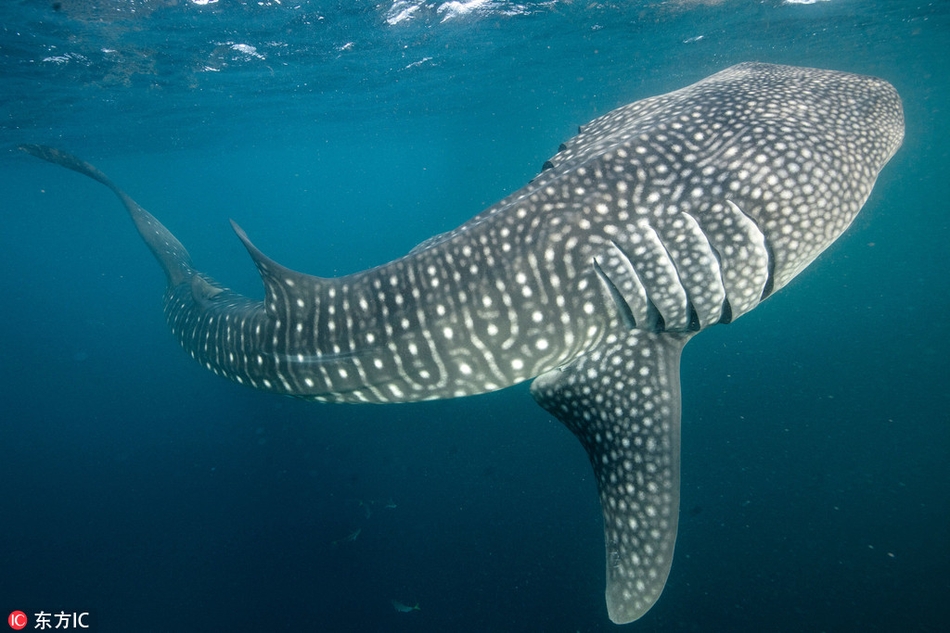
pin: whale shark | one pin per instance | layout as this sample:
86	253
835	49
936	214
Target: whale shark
658	220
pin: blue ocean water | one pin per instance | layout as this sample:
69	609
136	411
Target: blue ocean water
145	490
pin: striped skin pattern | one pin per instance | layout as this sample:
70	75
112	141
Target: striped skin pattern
659	219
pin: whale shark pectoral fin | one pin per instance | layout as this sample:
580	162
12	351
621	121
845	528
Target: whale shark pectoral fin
622	401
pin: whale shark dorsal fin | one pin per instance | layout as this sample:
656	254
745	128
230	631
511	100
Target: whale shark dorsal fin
622	401
284	287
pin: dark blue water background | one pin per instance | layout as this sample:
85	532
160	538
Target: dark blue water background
140	487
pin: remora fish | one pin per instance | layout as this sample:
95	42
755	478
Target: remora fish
658	220
404	608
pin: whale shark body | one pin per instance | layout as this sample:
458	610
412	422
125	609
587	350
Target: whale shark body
658	220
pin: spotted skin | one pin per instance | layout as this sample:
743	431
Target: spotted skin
622	402
658	220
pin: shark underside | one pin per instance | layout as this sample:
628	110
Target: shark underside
658	220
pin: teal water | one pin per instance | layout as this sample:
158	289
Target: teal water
143	489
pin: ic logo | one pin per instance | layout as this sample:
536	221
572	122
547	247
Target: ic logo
17	620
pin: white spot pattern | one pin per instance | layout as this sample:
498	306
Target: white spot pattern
622	402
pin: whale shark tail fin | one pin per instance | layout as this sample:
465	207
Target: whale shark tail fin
171	255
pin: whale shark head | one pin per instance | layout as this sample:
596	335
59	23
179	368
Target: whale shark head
662	218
